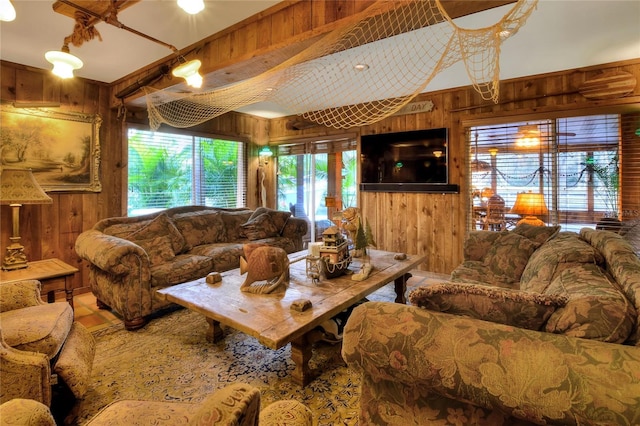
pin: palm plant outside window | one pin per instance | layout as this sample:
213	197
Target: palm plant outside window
169	170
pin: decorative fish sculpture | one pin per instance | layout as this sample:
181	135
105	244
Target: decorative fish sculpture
264	263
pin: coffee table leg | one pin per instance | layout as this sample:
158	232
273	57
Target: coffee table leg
401	288
214	333
301	354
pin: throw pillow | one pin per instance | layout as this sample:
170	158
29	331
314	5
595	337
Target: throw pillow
508	256
545	263
159	249
201	227
278	217
160	226
537	234
500	305
261	227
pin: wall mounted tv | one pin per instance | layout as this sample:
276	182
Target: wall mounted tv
415	161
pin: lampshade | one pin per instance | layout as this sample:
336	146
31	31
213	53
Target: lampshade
530	205
63	62
18	186
7	11
189	71
191	6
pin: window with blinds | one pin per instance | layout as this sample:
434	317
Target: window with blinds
578	170
169	170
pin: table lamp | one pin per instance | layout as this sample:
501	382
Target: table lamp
18	187
530	205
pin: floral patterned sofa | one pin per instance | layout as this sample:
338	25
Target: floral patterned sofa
130	258
558	345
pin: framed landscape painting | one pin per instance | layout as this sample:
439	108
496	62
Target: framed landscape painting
61	148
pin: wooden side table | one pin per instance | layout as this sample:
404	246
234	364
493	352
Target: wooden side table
53	274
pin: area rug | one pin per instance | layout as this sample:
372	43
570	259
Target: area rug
170	360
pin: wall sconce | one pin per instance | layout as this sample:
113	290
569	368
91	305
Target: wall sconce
437	154
7	11
189	71
493	152
63	62
192	7
530	204
18	187
265	154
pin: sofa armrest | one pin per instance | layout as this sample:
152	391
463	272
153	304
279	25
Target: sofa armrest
24	374
531	375
20	294
109	253
238	403
295	229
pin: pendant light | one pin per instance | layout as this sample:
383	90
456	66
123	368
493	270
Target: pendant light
63	62
191	6
189	71
7	11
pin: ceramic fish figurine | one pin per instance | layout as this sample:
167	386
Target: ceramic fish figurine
264	263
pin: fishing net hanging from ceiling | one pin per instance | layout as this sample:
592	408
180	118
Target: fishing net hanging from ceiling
322	85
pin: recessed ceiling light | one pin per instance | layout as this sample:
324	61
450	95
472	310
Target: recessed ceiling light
361	67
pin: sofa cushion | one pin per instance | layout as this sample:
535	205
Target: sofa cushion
159	227
225	256
233	221
596	308
183	268
564	249
201	227
278	218
261	226
537	234
506	306
159	249
508	256
44	332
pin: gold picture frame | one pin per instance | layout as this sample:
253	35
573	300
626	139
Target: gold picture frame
61	148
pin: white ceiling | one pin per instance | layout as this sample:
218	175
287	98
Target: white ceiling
559	35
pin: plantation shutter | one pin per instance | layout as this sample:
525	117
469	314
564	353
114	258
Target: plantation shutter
575	163
630	166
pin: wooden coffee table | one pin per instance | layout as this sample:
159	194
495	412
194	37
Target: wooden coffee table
269	317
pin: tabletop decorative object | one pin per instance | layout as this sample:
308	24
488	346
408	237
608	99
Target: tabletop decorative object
334	253
264	263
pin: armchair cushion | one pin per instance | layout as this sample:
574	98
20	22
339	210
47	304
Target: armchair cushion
19	294
25	412
495	304
46	335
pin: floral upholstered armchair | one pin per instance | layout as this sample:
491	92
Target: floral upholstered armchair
39	344
235	405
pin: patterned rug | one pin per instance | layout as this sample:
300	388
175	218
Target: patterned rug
170	360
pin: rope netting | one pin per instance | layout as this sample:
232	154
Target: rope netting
403	45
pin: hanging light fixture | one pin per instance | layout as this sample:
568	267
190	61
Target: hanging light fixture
7	11
189	71
528	136
191	6
64	63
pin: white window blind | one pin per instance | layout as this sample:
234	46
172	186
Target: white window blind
578	164
169	170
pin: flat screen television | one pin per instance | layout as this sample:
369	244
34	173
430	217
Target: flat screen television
415	161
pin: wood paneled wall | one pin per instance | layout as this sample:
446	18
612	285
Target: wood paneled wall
433	224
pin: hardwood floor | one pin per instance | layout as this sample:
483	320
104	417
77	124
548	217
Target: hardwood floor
88	314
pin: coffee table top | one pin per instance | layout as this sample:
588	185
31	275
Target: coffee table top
268	317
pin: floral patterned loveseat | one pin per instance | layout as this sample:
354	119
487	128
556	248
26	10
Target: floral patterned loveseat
561	345
130	258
